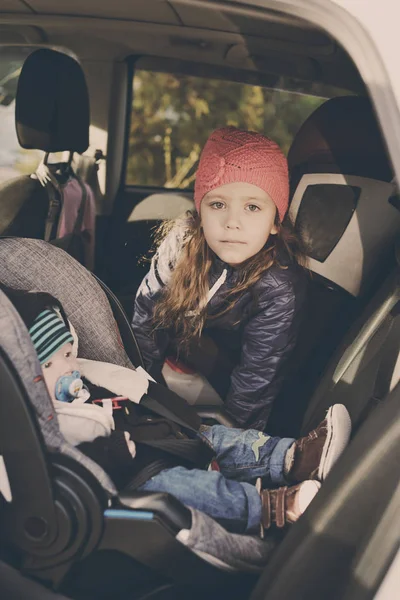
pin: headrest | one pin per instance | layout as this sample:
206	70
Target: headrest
341	134
342	194
52	104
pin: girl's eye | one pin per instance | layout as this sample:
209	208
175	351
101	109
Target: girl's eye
47	365
253	208
68	354
217	205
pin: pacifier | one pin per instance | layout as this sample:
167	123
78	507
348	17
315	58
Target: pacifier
68	387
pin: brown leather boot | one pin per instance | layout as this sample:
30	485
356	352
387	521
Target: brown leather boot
315	454
285	505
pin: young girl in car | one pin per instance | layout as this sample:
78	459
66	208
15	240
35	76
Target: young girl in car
225	289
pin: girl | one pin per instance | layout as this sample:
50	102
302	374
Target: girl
230	274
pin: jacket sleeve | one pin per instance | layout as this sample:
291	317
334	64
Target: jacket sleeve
268	340
153	344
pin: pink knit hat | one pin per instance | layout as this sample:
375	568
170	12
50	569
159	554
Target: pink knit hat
233	155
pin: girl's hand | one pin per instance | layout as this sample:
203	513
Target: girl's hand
131	445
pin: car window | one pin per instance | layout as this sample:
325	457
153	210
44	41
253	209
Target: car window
172	116
14	160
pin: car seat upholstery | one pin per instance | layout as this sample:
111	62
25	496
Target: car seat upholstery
36	265
52	114
350	216
363	369
341	192
158	207
14	586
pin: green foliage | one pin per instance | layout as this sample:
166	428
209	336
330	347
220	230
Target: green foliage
172	116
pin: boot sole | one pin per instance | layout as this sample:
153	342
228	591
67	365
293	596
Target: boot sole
307	491
338	435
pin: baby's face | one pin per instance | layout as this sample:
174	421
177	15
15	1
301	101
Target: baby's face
63	362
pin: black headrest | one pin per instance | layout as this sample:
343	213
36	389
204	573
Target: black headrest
341	192
52	103
341	136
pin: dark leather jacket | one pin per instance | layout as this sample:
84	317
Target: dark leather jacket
260	330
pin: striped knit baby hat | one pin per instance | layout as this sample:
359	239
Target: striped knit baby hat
49	333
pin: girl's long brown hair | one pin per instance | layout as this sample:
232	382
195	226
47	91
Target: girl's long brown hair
183	303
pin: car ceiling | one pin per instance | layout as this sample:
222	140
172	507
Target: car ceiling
272	43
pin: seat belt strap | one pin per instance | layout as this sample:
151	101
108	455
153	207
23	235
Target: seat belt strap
165	403
149	471
177	452
194	451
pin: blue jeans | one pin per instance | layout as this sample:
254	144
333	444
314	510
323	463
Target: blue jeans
229	496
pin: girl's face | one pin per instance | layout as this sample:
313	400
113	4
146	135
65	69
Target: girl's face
237	220
63	362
